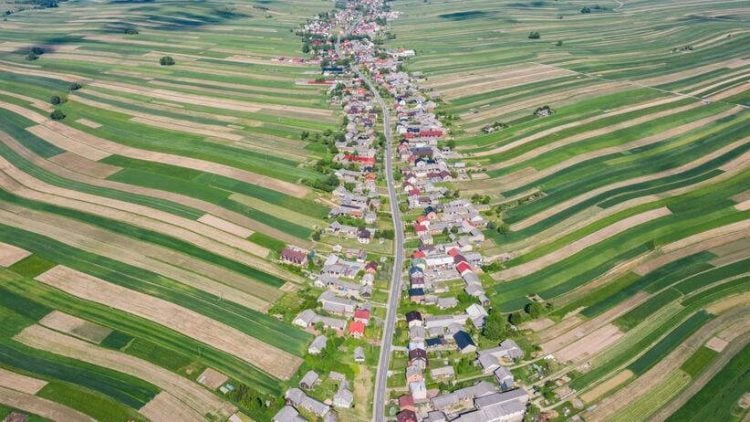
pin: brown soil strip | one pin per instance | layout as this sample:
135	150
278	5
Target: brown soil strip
517	179
537	324
573	201
10	254
212	378
743	206
75	326
606	386
728	303
581	244
716	344
731	252
640	386
190	395
581	331
166	262
272	360
57	132
28	71
166	408
153	193
161	123
592	134
704	242
590	344
75	162
676	76
89	123
731	92
224	225
59	140
577	123
22	383
42	407
568	322
24	112
41	105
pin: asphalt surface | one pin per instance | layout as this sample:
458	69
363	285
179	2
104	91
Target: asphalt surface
381	377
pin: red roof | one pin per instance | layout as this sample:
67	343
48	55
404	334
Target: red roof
362	314
360	159
422	219
406	416
419	228
453	251
418	254
406	401
463	266
356	327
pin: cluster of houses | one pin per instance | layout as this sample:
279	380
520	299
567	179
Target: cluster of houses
298	399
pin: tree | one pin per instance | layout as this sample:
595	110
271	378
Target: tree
75	86
55	100
37	50
559	43
534	309
515	318
305	48
534	35
586	9
57	115
31	57
496	326
166	61
131	31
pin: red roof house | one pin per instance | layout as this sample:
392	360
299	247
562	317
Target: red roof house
356	329
362	315
463	267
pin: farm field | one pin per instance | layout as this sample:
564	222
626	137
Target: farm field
610	150
169	191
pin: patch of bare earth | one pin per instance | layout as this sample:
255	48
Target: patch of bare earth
272	360
10	254
77	163
42	407
75	326
167	408
212	378
224	225
22	383
607	386
590	344
89	123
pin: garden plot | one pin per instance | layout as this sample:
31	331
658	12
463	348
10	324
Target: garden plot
212	378
271	360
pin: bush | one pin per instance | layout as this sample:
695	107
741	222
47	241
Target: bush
534	35
57	115
586	9
131	31
75	86
31	57
37	50
166	61
55	100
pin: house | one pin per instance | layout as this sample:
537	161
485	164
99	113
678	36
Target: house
511	349
317	345
447	302
490	359
416	333
406	416
464	343
299	399
477	314
305	318
416	295
294	256
414	318
364	236
309	380
359	355
462	399
343	398
406	402
362	315
371	267
356	329
414	374
435	416
418	357
337	305
504	378
445	373
497	407
418	391
288	414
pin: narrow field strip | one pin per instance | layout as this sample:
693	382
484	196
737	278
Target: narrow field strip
162	261
580	244
42	407
271	360
10	254
226	226
19	382
74	326
83	165
190	395
166	408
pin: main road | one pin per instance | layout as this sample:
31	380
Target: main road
381	377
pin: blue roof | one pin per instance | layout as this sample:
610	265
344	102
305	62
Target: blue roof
416	292
463	339
437	341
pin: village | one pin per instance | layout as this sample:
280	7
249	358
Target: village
444	233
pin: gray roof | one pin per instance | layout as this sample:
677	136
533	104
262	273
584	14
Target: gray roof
343	398
288	414
318	344
310	378
302	400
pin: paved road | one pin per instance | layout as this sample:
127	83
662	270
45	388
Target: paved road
381	378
